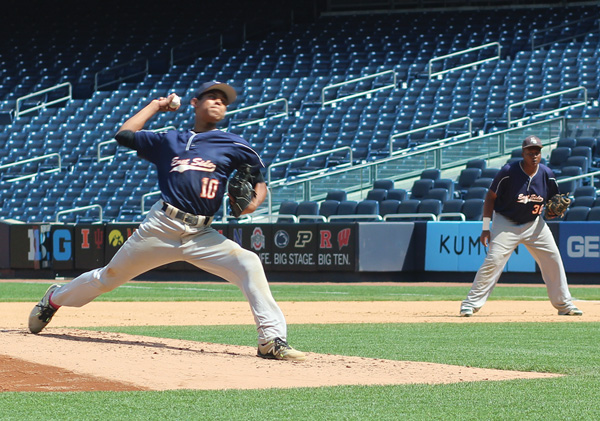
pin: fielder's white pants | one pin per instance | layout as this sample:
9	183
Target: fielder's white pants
160	240
538	239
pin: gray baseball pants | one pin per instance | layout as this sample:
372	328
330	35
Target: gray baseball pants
538	239
160	240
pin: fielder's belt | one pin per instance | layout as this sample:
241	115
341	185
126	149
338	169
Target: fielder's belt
187	218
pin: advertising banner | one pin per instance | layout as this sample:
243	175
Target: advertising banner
62	254
336	250
579	244
455	247
383	247
89	246
30	246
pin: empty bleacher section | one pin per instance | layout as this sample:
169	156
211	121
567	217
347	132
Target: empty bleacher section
292	68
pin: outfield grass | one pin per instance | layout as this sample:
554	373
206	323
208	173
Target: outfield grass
567	348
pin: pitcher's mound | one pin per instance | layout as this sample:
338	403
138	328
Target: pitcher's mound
88	360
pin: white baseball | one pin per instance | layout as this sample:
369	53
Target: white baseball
175	102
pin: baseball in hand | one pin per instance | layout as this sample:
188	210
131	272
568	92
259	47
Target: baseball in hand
175	102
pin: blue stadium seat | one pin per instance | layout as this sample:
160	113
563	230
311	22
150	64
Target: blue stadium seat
577	213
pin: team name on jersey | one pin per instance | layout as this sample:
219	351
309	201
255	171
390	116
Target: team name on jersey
526	198
194	164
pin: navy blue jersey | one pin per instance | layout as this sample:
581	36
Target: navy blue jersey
521	198
193	168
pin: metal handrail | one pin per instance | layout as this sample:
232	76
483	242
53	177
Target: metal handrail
26	161
410	215
96	75
289	161
464	66
503	136
108	142
357	216
556	110
589	175
307	157
261	105
372	76
432	126
312	217
452	215
66	211
153	193
18	111
564	25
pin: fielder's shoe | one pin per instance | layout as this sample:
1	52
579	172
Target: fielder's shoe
468	311
573	311
42	312
278	349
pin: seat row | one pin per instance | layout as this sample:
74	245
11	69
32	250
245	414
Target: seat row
387	210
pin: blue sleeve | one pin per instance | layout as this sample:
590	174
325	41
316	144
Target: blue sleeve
147	144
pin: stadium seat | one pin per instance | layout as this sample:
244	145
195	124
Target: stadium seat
306	209
439	193
383	184
589	191
578	213
339	195
347	207
328	208
566	142
432	174
420	188
476	163
388	206
368	207
587	201
397	194
594	214
466	179
476	193
473	209
489	172
430	206
287	208
377	194
483	182
452	206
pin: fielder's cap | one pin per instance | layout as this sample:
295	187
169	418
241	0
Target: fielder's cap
532	142
217	86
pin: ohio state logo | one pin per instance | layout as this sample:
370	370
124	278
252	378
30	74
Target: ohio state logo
257	239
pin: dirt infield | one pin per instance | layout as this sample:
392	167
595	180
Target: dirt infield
64	358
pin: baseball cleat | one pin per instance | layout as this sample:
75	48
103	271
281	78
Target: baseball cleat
278	349
468	312
42	312
572	312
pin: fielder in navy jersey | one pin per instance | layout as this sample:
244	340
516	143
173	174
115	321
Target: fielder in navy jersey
516	201
193	169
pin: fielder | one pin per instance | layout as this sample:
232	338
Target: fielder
516	198
193	169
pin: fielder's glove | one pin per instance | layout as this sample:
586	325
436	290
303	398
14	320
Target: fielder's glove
240	190
557	206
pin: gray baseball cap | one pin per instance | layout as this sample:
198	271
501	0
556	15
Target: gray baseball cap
227	90
532	142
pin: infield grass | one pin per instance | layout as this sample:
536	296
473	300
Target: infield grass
566	348
171	291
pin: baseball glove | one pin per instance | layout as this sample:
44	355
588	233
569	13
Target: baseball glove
240	190
557	205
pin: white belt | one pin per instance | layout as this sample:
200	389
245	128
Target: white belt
187	218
